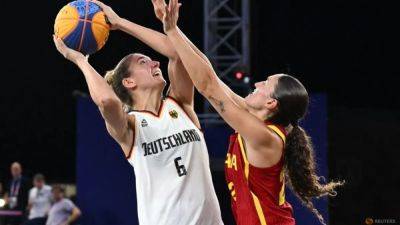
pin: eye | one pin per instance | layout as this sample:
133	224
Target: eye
142	61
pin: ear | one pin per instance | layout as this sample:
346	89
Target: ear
129	83
271	104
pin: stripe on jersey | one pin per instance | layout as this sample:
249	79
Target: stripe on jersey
159	112
278	132
260	212
256	201
246	162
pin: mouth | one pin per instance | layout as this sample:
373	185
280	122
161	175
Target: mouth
157	73
254	91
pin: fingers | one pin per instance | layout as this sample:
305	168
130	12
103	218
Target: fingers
58	41
175	3
99	3
165	17
159	2
61	47
175	6
170	4
58	44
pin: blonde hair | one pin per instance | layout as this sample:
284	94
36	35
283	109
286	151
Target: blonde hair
114	79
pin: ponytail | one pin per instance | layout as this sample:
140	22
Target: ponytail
114	79
301	172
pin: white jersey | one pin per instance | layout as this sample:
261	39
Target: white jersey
173	178
40	199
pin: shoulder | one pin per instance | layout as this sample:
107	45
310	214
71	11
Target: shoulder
47	188
32	190
67	202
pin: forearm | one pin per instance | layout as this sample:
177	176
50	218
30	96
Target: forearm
233	95
98	88
194	47
156	40
199	71
74	216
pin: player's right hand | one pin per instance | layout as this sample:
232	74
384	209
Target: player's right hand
68	53
159	8
112	17
171	15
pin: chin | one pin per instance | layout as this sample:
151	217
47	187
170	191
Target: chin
162	81
248	99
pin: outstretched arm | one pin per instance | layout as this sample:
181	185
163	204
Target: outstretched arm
181	86
103	96
235	97
156	40
209	85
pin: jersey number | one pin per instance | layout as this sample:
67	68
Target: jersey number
232	190
180	168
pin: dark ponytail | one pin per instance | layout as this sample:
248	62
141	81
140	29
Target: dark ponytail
299	160
300	170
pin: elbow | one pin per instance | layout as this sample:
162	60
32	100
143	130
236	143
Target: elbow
173	55
107	102
78	212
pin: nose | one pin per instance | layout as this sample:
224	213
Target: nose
155	64
257	84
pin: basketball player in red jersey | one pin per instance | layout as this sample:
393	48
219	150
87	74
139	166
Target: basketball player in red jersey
269	145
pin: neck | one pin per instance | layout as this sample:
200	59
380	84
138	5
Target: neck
147	100
260	114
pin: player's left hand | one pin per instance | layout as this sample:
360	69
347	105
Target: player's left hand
171	15
112	17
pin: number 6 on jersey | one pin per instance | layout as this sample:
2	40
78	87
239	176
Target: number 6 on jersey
180	168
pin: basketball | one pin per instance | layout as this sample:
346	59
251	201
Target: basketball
82	26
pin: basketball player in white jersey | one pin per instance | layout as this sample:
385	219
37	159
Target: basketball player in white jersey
160	137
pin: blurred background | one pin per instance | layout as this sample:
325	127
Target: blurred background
343	50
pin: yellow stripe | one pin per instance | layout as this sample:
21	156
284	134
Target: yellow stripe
260	212
279	132
282	192
246	162
256	201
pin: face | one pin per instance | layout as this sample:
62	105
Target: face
38	183
144	73
261	98
16	170
57	194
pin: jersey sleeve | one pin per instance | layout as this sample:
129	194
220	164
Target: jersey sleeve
68	205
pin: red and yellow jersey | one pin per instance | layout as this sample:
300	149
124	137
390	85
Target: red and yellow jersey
257	194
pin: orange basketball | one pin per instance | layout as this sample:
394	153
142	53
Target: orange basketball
82	26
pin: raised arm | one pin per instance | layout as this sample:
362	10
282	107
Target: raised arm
181	86
159	10
210	86
155	40
111	108
235	97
